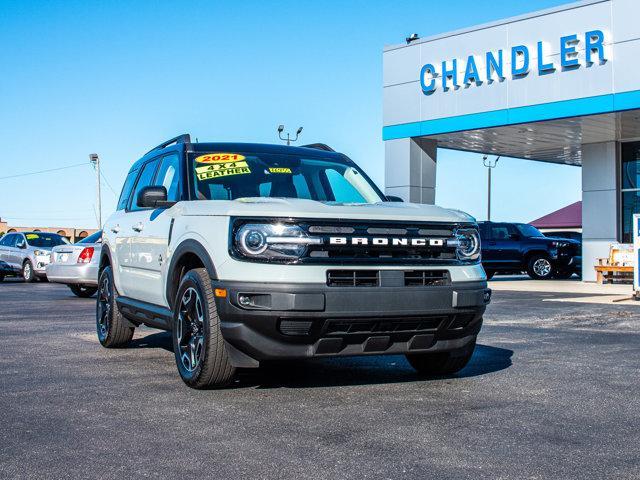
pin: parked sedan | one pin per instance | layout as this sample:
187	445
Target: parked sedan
27	254
77	265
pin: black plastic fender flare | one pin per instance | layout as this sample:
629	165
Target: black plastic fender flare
189	246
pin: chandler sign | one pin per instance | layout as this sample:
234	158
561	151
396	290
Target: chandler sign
491	66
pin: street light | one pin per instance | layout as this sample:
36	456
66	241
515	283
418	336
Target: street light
95	161
490	164
288	139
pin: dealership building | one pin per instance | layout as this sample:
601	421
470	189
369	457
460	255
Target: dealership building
560	85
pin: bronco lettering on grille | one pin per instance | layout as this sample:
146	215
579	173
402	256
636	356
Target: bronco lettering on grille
384	241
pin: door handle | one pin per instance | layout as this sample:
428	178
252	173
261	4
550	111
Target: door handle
115	229
137	227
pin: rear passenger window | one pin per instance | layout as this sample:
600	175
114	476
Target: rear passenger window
6	240
145	179
126	190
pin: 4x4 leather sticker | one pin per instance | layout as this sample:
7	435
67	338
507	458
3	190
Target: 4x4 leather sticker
227	169
219	158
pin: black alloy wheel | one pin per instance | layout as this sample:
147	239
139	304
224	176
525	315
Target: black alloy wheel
113	329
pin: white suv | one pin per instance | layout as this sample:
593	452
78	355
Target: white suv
249	253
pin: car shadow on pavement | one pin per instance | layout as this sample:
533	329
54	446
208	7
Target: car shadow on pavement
367	370
342	371
154	340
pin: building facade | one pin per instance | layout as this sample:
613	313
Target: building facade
72	234
560	85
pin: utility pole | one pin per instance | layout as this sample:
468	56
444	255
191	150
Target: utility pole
490	166
288	139
95	161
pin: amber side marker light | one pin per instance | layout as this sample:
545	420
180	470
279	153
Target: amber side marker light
220	292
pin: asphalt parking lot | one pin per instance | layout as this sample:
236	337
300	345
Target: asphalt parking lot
551	392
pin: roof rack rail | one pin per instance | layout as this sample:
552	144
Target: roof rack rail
184	138
319	146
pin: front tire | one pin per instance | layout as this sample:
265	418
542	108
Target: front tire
539	267
83	291
27	272
439	364
199	348
113	329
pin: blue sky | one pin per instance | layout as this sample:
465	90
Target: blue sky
118	77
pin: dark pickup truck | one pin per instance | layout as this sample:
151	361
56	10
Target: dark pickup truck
518	247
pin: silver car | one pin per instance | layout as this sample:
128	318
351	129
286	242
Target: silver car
27	254
77	265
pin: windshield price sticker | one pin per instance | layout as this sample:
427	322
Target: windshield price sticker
32	236
279	170
219	158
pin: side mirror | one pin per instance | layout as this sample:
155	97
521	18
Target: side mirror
393	198
21	244
514	236
153	197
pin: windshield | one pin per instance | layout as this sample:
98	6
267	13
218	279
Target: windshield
229	176
93	238
529	231
44	240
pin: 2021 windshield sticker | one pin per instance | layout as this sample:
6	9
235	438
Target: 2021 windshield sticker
220	158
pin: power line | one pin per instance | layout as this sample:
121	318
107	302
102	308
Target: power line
108	184
42	171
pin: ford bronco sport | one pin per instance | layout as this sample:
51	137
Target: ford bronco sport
249	253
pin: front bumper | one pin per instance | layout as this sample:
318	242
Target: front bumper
301	321
73	274
573	262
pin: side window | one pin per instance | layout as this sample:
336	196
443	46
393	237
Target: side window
169	176
499	232
145	179
7	240
18	239
342	189
513	230
126	190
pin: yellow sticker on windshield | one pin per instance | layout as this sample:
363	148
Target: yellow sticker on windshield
279	170
227	172
221	166
219	157
32	236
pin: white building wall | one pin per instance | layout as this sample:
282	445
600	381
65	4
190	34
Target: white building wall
599	204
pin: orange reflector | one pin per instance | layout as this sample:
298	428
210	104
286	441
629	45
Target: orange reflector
220	292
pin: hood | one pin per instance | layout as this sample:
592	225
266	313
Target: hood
301	208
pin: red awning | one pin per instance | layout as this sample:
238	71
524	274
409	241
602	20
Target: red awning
567	217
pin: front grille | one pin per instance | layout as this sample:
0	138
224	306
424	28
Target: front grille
371	232
423	278
353	278
383	325
364	242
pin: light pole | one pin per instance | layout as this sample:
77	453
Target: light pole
490	164
95	161
288	139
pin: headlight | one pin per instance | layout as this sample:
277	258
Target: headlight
468	244
37	253
267	242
